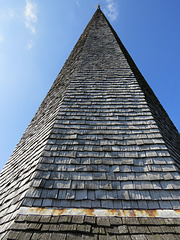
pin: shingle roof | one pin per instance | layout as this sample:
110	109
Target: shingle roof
100	145
90	227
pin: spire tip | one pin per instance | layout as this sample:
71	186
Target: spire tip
98	6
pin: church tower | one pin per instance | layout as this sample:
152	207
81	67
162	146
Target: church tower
100	159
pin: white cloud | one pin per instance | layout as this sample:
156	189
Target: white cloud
111	9
1	38
31	16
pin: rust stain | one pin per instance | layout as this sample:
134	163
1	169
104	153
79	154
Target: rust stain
89	212
54	212
41	210
58	212
119	213
112	212
140	211
124	213
105	212
136	213
132	213
61	211
152	213
31	210
37	210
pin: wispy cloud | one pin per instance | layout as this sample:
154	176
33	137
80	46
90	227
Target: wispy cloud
26	15
111	9
1	38
8	14
30	16
30	45
77	3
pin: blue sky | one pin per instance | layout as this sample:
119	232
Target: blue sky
36	37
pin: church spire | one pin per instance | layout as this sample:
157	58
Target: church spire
100	159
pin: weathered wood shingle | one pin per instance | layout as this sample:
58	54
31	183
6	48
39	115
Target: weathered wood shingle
80	227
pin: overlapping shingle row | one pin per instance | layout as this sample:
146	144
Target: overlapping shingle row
98	228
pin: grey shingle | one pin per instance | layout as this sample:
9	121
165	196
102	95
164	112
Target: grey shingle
111	194
62	194
135	194
46	203
91	185
165	204
91	195
145	194
61	184
49	193
127	185
70	194
101	194
81	194
78	185
123	194
142	204
99	176
116	185
155	194
153	205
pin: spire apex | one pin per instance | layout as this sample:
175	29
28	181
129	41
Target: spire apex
98	7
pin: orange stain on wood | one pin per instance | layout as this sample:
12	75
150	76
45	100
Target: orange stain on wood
132	213
140	211
89	212
112	212
124	213
119	213
58	212
152	213
37	210
107	212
